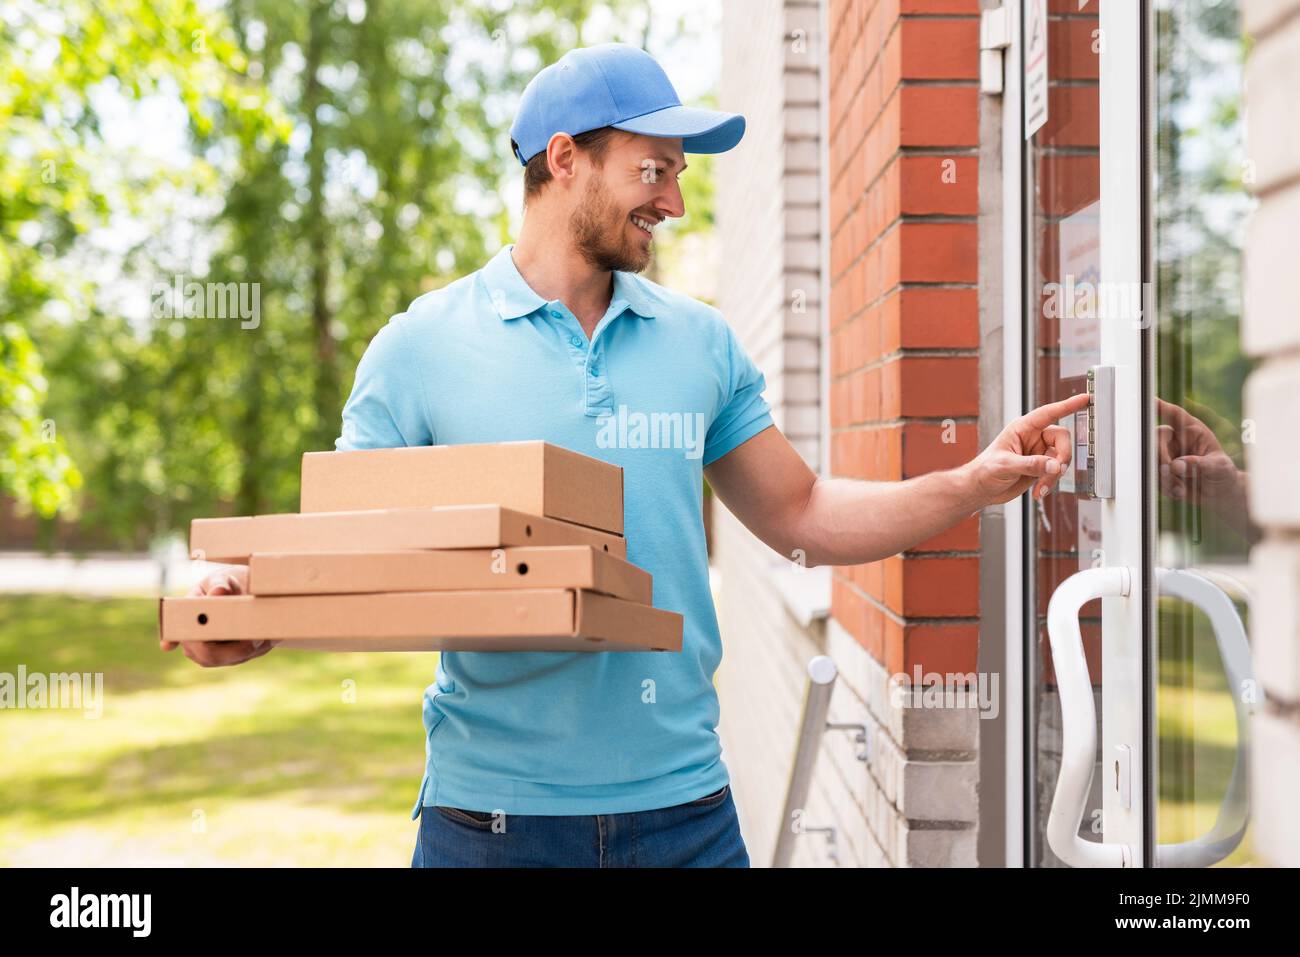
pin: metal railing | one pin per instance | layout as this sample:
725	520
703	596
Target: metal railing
817	700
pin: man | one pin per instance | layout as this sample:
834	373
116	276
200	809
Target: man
613	759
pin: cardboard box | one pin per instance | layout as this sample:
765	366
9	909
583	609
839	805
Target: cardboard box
337	573
234	540
534	477
499	620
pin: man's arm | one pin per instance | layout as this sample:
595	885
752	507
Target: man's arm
835	521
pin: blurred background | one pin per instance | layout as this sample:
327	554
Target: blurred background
206	211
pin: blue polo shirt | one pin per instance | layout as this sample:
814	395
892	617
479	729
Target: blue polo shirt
662	388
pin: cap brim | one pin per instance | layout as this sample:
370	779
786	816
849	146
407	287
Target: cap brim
701	131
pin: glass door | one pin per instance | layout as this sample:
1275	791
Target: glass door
1084	333
1200	667
1063	531
1136	664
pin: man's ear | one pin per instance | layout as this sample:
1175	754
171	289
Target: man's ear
562	158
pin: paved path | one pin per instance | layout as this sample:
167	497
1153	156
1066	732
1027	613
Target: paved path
111	573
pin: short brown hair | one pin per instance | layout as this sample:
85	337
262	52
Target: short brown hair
537	173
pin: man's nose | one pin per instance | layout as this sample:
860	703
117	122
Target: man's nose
669	201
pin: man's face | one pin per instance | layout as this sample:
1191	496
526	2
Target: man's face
625	198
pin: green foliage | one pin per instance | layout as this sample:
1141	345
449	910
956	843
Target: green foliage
339	157
1201	206
58	184
34	465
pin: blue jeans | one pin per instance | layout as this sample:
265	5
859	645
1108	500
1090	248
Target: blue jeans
700	833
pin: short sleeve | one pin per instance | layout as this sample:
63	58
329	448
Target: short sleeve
386	408
745	412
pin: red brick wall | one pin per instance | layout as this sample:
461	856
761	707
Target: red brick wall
904	136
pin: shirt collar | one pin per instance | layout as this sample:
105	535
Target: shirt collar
512	297
631	290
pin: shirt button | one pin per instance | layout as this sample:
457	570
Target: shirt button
556	314
575	341
592	370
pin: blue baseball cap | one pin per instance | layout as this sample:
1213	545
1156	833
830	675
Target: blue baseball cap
618	85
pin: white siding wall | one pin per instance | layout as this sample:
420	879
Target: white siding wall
769	235
1271	332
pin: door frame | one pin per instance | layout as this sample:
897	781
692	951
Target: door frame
1014	399
1128	520
1126	535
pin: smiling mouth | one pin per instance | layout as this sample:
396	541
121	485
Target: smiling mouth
646	226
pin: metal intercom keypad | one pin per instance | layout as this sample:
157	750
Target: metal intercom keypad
1092	472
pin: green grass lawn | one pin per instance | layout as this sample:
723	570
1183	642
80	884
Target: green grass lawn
265	763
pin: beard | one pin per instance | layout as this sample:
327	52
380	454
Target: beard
599	229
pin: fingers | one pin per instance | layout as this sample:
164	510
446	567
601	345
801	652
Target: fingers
1035	465
1045	415
1169	484
262	647
220	654
1057	441
218	583
1059	450
1046	469
1166	447
225	585
1174	474
1192	475
232	580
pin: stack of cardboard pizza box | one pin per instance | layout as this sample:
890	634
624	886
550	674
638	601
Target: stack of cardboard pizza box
511	546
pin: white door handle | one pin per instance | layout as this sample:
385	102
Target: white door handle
1079	718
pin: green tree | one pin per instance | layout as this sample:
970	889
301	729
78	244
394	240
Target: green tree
34	465
341	158
58	184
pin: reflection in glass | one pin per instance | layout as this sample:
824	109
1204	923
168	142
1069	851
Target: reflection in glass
1200	206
